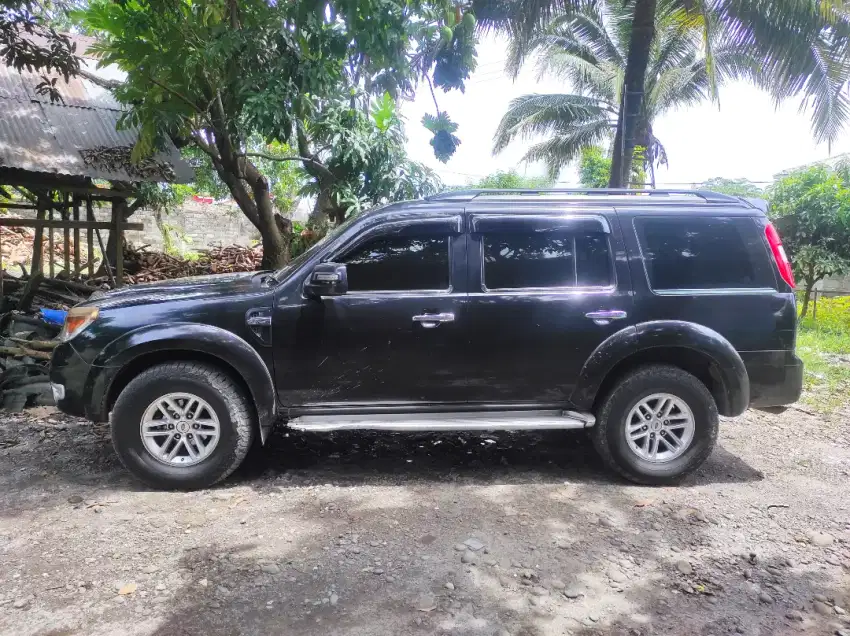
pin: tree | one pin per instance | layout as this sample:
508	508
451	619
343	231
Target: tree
790	48
214	73
811	210
29	41
588	48
595	167
735	187
366	158
511	180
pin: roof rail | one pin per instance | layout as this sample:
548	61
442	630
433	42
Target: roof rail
469	195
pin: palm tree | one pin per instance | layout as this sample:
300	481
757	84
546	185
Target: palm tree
789	47
589	49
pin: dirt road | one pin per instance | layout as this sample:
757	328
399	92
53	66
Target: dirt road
437	534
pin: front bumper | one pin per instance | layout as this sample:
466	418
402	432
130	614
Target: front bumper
69	371
776	377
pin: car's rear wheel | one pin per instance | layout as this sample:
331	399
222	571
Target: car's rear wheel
182	425
658	424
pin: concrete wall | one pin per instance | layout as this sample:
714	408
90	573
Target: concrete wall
195	226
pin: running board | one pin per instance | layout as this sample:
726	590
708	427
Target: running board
464	421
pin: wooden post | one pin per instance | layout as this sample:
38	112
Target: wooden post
90	236
38	241
64	212
76	238
118	207
50	264
815	307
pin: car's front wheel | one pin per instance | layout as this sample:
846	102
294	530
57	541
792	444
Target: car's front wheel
182	425
658	424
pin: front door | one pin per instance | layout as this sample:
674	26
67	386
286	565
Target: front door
545	290
395	336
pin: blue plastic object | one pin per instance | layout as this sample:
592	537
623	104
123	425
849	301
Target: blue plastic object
54	316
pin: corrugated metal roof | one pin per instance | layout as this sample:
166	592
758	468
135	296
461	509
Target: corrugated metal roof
40	136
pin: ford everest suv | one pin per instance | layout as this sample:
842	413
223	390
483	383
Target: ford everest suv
639	315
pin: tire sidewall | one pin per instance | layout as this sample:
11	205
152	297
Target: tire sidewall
639	387
127	440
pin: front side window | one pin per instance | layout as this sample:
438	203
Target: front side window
703	253
399	263
544	259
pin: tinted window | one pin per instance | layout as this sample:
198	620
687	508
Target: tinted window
546	259
399	263
703	253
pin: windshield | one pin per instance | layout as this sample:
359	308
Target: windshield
306	255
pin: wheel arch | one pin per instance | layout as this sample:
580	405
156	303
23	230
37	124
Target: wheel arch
133	353
694	348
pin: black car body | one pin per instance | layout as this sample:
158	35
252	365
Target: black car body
467	310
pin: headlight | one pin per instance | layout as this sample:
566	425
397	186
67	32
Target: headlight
77	319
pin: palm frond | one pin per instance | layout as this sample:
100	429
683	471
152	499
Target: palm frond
561	149
530	116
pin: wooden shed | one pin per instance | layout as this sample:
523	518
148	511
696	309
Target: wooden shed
61	159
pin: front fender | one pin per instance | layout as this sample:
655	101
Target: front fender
224	345
666	333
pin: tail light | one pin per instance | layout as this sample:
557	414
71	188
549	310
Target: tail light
779	254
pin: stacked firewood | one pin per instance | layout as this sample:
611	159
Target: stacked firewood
17	247
143	266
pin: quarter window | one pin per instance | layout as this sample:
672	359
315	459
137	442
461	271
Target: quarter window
398	263
544	259
703	253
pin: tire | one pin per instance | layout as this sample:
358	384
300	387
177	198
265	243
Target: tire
224	402
610	433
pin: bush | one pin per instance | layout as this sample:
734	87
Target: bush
833	315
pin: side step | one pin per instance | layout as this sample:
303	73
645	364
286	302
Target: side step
491	421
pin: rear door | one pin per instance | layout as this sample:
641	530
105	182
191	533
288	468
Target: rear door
545	290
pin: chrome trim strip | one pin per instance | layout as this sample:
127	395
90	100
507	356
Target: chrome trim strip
501	421
606	228
719	291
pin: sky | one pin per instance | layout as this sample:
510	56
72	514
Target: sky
745	136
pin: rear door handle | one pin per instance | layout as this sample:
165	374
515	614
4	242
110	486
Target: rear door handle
604	317
429	321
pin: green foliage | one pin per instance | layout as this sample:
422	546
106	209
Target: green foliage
366	151
735	187
824	347
30	39
511	180
443	142
594	168
588	48
811	210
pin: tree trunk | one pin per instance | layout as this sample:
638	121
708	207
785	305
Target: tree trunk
275	244
631	100
807	294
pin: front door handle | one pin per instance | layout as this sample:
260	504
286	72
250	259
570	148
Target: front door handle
604	317
429	321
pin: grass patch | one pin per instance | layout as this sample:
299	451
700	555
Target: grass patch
824	347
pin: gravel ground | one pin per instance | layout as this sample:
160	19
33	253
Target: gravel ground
358	534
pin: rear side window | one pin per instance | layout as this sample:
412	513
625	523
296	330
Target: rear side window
703	253
544	259
399	263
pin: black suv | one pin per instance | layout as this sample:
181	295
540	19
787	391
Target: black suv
639	315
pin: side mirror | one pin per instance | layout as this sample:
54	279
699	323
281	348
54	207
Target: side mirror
327	279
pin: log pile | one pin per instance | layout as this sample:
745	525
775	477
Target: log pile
142	265
17	247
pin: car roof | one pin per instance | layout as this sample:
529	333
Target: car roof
574	200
